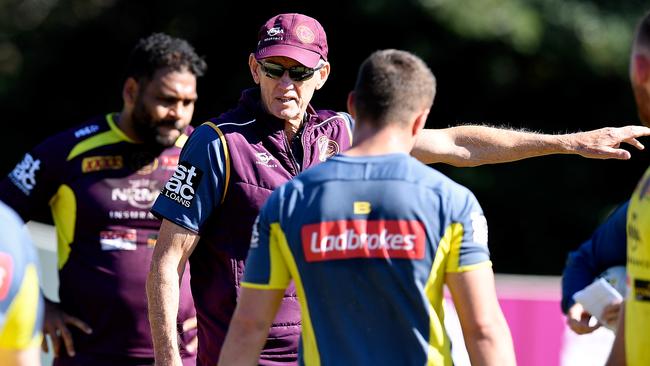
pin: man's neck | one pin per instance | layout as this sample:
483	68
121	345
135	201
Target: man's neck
292	126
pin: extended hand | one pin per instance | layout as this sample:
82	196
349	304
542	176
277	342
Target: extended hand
610	314
55	324
605	143
578	320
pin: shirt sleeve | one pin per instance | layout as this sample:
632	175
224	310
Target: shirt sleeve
196	188
468	235
266	267
606	248
29	187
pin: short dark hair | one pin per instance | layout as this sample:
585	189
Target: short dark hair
391	85
642	37
159	51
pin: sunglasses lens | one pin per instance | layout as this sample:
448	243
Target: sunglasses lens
300	73
272	70
296	73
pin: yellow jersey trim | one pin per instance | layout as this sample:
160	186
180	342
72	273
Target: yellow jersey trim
112	136
454	240
439	352
19	329
257	286
311	356
64	213
110	118
473	267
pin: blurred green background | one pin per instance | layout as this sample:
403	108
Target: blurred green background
544	65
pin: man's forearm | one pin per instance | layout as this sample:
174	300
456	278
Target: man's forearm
578	273
174	246
249	326
492	345
496	145
476	145
163	297
485	330
243	343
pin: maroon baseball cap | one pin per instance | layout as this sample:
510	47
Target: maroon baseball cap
296	36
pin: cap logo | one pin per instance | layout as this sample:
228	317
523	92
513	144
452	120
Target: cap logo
305	34
275	31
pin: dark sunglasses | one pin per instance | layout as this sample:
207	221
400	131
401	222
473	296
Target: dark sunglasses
296	73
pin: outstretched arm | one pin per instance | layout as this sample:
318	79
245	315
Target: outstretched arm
477	145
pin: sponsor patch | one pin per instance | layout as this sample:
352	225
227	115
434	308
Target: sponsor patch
6	274
24	174
326	148
641	290
348	239
99	163
272	32
141	193
361	207
118	239
85	131
181	187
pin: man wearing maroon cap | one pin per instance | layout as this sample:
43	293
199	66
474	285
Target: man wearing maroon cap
232	163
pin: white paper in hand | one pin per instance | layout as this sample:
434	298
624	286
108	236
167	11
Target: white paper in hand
596	296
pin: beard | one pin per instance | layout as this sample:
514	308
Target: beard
148	127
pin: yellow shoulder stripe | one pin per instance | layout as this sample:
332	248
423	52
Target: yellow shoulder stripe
226	155
114	135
